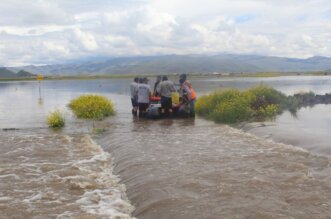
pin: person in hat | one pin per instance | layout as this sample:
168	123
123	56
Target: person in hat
144	93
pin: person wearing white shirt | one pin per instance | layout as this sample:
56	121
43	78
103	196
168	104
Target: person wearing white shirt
144	93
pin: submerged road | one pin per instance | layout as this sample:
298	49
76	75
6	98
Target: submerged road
181	169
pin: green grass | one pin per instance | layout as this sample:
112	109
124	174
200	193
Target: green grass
226	106
92	106
262	102
56	119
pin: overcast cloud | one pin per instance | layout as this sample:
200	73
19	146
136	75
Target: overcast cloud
56	31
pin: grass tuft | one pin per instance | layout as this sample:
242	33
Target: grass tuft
56	119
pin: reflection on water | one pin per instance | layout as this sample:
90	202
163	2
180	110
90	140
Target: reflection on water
309	128
171	168
288	85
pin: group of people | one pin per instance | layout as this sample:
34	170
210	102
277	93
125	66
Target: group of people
164	88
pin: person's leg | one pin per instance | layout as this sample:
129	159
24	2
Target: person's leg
192	111
170	104
142	109
167	105
134	106
163	104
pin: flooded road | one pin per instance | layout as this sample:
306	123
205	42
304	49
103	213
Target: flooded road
197	169
149	169
58	176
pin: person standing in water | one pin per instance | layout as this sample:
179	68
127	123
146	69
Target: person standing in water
157	82
165	88
186	97
134	95
144	93
193	94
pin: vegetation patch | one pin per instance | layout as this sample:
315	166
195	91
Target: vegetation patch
257	103
92	106
56	119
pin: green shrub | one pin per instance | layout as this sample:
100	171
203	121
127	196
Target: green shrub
92	106
230	111
56	119
204	105
225	106
265	96
232	105
268	111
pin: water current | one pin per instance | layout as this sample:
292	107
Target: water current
158	169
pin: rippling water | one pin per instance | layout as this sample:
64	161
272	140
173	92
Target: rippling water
180	170
58	176
168	168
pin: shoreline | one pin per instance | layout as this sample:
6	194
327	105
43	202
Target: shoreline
193	75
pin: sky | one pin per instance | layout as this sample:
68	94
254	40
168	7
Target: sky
42	32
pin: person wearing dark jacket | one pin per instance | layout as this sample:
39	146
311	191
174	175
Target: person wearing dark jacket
157	82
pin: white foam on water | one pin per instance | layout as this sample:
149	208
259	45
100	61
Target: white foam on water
107	202
5	199
60	176
104	195
14	176
269	141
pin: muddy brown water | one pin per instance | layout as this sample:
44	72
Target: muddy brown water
197	169
149	169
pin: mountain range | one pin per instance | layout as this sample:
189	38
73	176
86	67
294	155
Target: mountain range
225	63
5	73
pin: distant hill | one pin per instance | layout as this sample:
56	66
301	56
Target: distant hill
225	63
5	73
23	73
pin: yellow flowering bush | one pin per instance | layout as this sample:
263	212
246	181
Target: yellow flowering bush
233	105
92	106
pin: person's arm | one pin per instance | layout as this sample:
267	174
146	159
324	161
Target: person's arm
158	88
173	88
136	91
188	92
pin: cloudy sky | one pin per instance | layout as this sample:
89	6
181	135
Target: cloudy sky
56	31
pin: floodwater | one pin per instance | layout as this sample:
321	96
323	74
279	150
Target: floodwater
160	169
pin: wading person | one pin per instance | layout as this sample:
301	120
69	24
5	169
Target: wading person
186	97
134	95
165	88
157	82
144	93
192	91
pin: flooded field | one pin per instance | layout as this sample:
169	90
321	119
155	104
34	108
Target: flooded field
159	169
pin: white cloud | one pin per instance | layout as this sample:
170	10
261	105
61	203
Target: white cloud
86	39
53	31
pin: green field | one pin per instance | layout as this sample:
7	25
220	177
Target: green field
195	75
